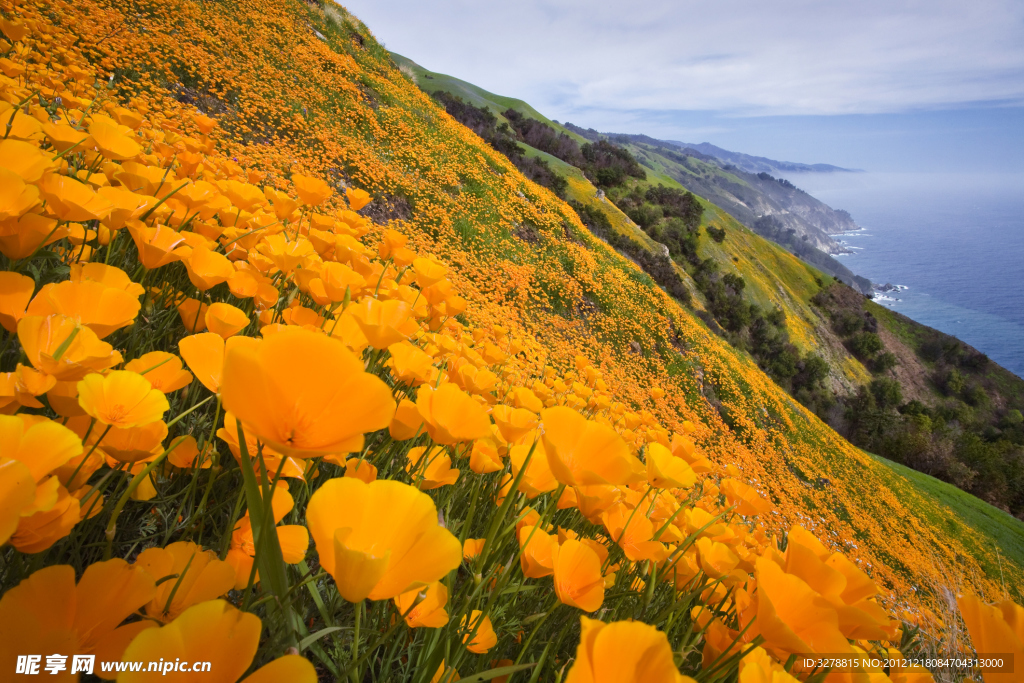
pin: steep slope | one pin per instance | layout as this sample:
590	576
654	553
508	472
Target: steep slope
431	81
302	88
343	107
773	280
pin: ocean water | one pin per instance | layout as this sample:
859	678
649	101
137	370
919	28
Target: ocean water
954	243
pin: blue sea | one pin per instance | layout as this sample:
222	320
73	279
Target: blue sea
954	243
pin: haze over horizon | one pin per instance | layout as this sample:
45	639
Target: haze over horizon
882	86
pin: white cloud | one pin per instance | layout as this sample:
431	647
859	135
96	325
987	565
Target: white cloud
745	57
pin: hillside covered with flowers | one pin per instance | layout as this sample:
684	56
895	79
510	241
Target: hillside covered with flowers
301	378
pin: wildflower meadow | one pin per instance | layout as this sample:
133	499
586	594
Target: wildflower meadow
254	415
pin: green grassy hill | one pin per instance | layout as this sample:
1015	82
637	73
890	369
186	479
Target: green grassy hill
776	278
431	81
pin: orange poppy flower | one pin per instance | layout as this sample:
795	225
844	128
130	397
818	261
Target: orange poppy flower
283	205
623	652
286	255
583	452
207	268
379	540
484	457
357	199
30	383
745	498
17	493
42	529
71	200
484	639
107	275
666	471
293	468
15	293
633	533
163	370
215	632
436	470
20	237
383	322
513	423
133	444
361	470
578	579
716	559
16	196
226	320
429	611
339	278
450	415
410	364
193	315
407	421
538	478
311	191
592	501
994	628
121	399
157	246
428	271
126	205
791	616
25	160
294	538
42	340
304	393
192	574
538	552
204	354
49	612
113	140
472	548
101	308
243	195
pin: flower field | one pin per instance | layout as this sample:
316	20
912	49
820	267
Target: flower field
300	378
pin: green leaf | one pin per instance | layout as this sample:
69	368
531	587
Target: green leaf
310	639
494	673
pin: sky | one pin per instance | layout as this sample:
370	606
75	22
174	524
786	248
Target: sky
888	85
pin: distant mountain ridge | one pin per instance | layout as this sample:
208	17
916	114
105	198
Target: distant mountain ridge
753	164
772	207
